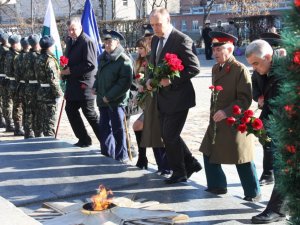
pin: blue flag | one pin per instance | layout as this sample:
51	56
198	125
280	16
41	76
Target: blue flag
89	25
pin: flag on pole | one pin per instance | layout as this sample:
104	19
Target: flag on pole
89	25
50	28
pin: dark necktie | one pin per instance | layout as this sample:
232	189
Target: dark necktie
159	49
220	68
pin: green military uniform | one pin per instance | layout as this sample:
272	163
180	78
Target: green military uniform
47	72
31	87
13	109
19	74
3	50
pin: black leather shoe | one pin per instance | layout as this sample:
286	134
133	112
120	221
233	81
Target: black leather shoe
267	216
266	179
253	199
175	179
196	167
82	144
217	191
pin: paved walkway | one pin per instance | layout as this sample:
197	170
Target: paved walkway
38	170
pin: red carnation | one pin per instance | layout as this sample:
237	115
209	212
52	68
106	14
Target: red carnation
297	3
257	124
63	61
291	148
236	110
219	88
230	121
246	119
242	128
297	55
248	113
212	87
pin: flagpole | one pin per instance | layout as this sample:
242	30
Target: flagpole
59	118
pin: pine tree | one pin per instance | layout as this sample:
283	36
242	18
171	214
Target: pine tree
285	123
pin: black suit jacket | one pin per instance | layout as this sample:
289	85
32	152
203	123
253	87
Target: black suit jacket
83	66
180	95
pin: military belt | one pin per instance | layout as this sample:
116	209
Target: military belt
2	75
12	78
22	81
45	85
33	81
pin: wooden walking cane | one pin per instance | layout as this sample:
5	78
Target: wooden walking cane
128	139
59	118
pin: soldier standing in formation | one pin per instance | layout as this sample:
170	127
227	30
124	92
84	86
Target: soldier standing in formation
4	48
19	72
47	74
13	108
31	87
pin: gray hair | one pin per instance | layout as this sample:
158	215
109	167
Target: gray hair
74	20
160	10
259	48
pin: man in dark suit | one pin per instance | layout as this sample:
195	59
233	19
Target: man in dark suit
80	75
175	96
261	56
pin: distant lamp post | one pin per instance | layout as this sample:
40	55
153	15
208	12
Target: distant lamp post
203	2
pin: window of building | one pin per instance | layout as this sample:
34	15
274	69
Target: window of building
125	2
195	25
183	25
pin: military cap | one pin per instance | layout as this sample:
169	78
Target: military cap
4	37
221	38
24	42
14	39
273	39
111	34
46	41
148	30
34	39
207	21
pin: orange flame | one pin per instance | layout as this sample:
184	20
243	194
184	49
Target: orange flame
101	200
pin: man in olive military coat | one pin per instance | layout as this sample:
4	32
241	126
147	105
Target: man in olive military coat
231	146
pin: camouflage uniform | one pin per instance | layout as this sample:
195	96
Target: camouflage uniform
3	50
13	109
47	71
31	87
19	76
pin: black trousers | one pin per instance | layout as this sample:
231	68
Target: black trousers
268	159
208	51
88	109
178	154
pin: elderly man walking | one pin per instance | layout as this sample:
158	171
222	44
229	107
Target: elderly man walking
231	146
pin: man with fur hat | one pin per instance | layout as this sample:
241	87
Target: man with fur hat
13	107
4	48
229	146
47	74
31	88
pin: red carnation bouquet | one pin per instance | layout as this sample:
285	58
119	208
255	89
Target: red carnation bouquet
247	122
168	69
